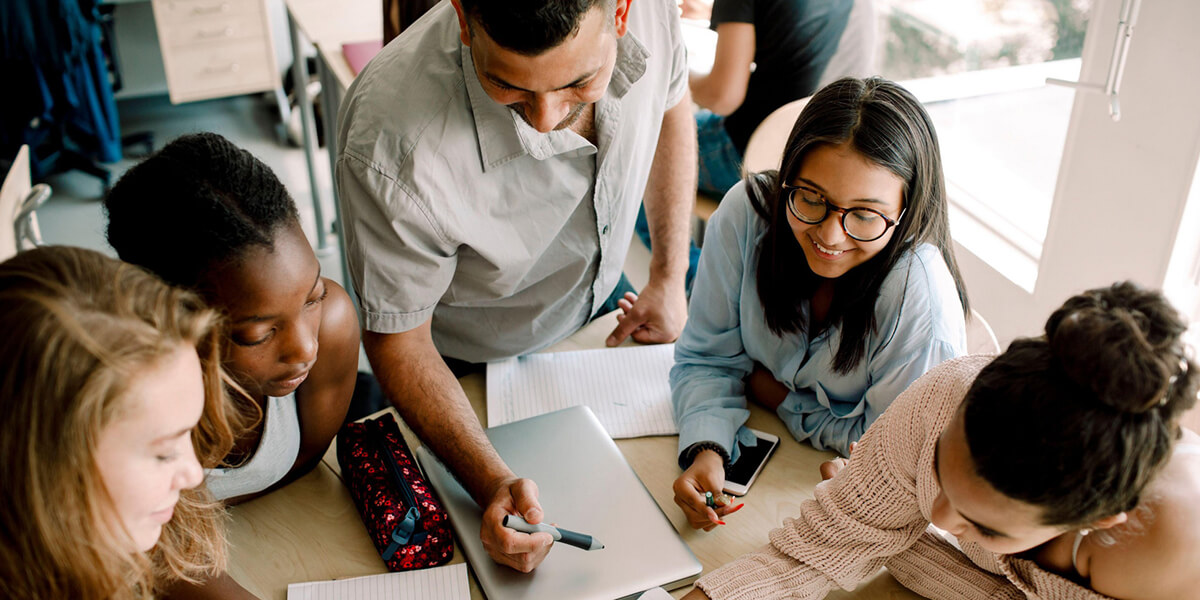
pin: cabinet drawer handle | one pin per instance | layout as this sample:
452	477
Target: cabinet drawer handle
215	33
211	10
231	67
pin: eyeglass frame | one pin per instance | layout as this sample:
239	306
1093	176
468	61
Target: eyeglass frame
832	208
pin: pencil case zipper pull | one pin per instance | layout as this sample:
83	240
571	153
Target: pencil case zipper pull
408	530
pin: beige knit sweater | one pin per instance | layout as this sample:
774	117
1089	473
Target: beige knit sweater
876	512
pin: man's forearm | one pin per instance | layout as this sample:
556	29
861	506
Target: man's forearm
432	403
671	192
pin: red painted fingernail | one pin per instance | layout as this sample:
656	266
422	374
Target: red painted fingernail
736	508
720	522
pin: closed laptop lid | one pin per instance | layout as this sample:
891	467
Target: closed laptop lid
585	485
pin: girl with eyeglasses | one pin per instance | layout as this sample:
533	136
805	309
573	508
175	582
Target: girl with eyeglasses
824	288
1057	470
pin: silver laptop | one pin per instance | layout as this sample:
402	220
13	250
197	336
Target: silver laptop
585	485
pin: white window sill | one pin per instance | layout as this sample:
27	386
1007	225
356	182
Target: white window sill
1001	133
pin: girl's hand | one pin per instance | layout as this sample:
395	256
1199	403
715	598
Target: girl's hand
830	468
707	474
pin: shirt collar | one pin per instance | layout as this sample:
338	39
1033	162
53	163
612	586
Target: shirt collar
503	135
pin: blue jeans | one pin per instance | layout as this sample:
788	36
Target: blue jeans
642	229
720	165
720	168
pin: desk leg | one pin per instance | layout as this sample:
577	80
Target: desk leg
331	95
309	125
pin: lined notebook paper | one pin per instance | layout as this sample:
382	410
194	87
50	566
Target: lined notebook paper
439	583
625	387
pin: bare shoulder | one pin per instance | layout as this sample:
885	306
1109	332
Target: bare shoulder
1158	557
339	320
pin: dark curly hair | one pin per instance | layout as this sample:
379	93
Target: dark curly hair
1080	420
198	203
530	27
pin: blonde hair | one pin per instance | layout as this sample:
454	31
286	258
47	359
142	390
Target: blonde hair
79	327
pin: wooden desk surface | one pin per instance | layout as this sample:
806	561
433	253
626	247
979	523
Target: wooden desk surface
310	531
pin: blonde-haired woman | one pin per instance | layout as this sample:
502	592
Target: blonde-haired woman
111	391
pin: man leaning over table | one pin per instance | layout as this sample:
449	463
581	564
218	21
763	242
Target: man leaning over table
492	161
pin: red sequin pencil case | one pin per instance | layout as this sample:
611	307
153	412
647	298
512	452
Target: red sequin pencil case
405	521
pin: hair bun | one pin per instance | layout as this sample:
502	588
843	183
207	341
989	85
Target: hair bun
1122	343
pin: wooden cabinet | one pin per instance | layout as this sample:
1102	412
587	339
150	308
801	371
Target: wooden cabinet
215	48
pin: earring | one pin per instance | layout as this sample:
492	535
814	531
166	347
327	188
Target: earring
1084	531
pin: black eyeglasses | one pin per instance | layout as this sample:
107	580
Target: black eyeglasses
862	224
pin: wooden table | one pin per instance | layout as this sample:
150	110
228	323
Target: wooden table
310	531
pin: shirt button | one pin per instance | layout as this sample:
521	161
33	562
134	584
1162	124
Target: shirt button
604	231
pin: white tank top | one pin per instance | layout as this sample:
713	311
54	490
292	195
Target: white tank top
276	453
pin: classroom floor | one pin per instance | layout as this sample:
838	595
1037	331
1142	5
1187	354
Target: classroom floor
74	215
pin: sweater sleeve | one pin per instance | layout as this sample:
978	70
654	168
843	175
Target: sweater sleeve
934	568
866	514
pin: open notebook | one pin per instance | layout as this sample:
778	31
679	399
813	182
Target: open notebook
626	388
439	583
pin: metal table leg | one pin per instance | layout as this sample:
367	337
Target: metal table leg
309	126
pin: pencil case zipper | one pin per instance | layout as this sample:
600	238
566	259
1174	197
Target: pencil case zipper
409	529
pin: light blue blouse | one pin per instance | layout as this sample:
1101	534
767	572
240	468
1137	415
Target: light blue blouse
919	324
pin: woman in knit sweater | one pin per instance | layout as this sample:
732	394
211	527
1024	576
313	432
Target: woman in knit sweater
1057	470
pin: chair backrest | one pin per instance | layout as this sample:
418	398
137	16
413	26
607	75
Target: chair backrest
980	337
25	224
12	193
764	151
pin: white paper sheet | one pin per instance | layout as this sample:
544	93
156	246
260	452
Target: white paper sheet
439	583
655	594
626	387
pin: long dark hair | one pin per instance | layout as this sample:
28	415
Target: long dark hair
1080	420
887	125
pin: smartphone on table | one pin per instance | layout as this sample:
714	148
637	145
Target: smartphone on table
751	459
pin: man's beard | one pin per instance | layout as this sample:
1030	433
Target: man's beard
563	124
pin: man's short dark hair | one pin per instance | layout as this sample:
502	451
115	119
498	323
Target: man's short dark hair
529	27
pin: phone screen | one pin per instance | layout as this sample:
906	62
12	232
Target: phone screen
748	461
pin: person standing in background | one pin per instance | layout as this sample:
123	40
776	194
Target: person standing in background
769	53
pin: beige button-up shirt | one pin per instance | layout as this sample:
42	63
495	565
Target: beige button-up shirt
454	207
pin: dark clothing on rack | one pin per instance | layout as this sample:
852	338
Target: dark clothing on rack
60	99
